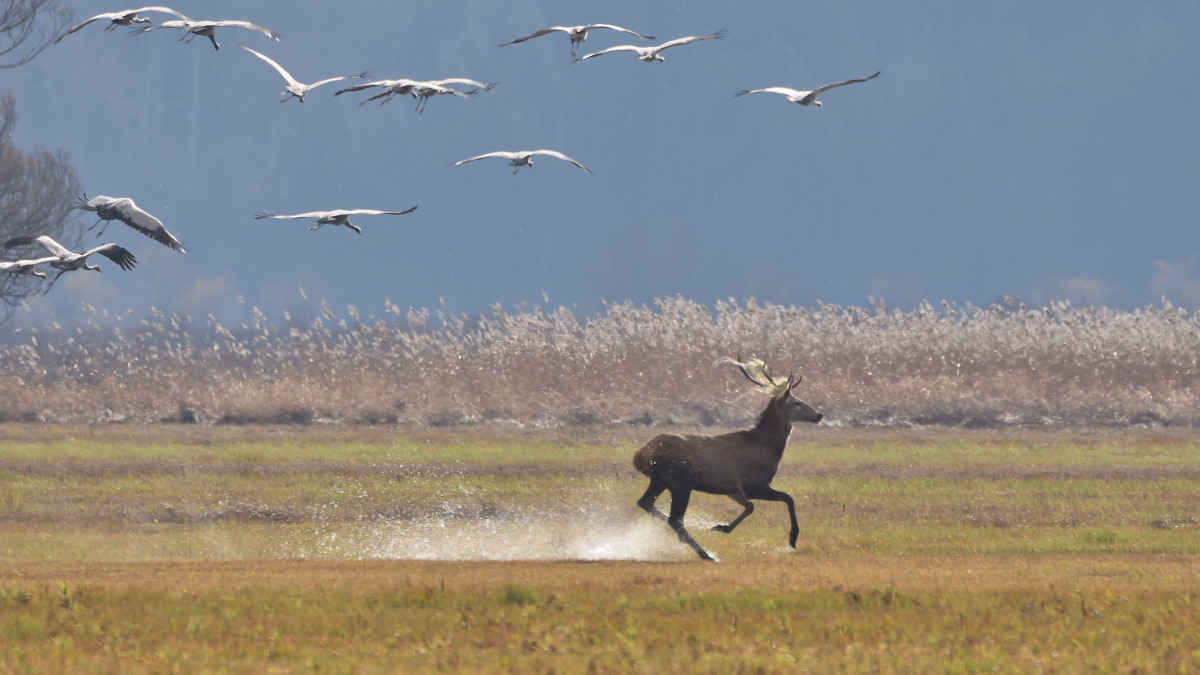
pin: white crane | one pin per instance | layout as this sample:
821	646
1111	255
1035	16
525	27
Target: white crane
421	90
294	88
126	211
803	97
124	17
65	260
424	93
652	54
577	34
400	86
341	217
208	29
26	267
522	158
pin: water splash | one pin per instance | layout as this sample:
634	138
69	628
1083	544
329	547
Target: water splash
555	537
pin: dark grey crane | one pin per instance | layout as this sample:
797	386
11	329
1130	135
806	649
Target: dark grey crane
65	260
126	211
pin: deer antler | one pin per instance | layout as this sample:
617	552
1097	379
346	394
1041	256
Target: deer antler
771	386
742	367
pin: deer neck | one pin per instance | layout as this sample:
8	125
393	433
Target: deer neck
774	426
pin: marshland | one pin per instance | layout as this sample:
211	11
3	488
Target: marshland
1003	487
943	365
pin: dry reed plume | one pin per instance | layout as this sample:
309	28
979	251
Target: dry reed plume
948	365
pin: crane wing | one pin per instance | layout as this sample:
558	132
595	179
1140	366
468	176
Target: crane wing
827	87
339	78
462	80
230	23
278	68
132	215
357	87
377	83
117	15
109	15
719	35
544	31
430	89
164	10
786	91
183	23
310	214
18	266
620	29
372	212
53	247
602	52
559	155
115	253
498	153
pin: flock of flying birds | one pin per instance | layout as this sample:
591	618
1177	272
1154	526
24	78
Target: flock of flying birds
124	209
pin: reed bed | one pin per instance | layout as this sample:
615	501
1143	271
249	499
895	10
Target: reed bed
1000	365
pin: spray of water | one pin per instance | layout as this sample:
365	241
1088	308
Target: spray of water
594	536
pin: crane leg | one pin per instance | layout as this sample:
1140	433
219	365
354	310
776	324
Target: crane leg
51	284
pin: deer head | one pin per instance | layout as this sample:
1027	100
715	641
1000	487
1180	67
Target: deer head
793	409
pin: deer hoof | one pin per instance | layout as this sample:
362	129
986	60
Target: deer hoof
722	528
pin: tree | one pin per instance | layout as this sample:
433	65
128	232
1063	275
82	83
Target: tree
37	192
27	27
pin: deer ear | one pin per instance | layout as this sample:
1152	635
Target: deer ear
792	383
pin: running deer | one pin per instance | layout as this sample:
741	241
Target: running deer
739	465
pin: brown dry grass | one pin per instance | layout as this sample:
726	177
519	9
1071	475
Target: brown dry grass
949	366
180	548
1063	614
783	575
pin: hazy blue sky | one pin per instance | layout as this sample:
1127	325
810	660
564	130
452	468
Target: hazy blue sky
1038	150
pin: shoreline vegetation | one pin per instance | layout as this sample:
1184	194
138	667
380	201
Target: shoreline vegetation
1004	365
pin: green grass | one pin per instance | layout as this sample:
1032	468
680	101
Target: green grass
223	446
148	549
857	614
978	493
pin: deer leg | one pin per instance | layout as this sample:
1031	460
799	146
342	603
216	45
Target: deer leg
679	504
772	495
648	499
748	507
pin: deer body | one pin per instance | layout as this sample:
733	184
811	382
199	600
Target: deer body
739	465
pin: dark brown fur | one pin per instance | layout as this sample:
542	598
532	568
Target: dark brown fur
739	465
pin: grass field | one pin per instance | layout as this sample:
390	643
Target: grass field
381	549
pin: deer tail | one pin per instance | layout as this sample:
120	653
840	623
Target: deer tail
641	460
